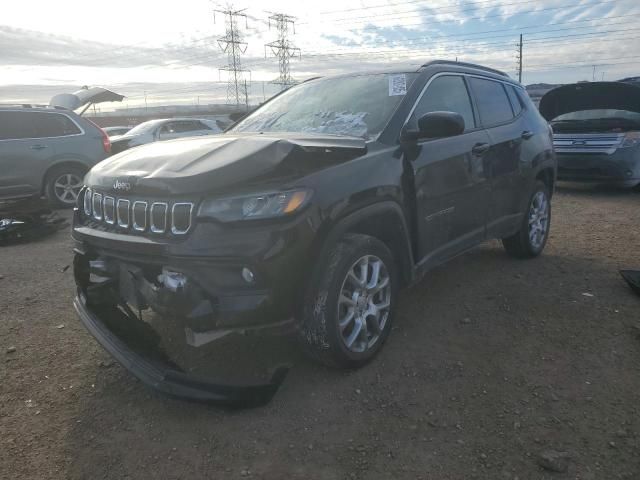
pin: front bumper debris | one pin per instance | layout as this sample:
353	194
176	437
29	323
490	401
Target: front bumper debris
171	380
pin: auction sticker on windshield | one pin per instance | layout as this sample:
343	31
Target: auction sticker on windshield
397	85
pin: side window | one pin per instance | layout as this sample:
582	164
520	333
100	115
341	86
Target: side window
16	125
516	103
446	94
190	126
169	128
493	105
53	125
203	126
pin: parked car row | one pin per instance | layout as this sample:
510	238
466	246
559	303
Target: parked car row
47	150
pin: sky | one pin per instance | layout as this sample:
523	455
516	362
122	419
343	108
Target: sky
149	50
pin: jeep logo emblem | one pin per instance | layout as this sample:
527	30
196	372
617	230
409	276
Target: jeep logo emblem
118	185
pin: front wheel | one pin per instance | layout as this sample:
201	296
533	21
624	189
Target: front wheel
530	240
349	306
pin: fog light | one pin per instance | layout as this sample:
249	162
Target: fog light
248	275
629	173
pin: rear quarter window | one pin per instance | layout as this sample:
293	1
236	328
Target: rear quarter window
516	103
493	104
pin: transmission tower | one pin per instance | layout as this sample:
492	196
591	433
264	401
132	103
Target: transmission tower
233	46
282	47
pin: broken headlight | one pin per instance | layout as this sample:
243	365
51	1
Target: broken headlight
256	206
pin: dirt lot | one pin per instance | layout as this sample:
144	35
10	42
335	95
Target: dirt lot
491	361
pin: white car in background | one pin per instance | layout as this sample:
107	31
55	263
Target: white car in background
116	131
163	129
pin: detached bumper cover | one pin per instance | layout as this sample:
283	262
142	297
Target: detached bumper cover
171	381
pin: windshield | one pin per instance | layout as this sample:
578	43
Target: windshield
601	114
357	106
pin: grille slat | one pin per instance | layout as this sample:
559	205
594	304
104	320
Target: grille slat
123	212
97	206
138	215
158	217
109	210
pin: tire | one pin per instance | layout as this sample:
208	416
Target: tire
56	183
525	243
320	332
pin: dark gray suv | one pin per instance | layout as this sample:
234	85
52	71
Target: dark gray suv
47	151
309	214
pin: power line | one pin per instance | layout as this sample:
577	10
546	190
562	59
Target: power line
233	46
282	47
348	22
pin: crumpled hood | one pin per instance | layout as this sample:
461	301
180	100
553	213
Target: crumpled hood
217	162
590	96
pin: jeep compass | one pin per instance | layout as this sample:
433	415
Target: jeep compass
309	214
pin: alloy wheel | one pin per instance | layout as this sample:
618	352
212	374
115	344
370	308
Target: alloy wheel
364	303
538	219
67	188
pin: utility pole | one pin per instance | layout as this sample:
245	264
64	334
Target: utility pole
233	46
519	59
283	48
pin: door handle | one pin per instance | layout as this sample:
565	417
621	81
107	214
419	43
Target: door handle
38	147
480	148
527	134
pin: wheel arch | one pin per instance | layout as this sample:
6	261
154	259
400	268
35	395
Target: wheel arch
547	175
383	220
60	164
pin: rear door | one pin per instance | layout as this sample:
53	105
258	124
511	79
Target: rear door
451	182
505	126
23	156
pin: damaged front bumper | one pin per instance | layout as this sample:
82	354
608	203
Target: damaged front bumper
112	296
169	380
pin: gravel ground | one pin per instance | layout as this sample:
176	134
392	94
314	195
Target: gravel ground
494	368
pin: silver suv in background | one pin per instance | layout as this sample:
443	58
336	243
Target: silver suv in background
164	129
47	151
596	129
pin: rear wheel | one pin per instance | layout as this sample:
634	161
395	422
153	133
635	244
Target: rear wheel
62	186
349	307
532	237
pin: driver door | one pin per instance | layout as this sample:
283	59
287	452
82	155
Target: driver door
450	174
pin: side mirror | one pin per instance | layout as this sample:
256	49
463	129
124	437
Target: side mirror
440	124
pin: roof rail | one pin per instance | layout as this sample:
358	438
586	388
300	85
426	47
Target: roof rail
465	64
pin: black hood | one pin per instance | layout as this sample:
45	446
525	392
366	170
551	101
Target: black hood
590	96
217	162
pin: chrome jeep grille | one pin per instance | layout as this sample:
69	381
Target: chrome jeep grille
138	215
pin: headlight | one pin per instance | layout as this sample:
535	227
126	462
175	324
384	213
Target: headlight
631	139
256	206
